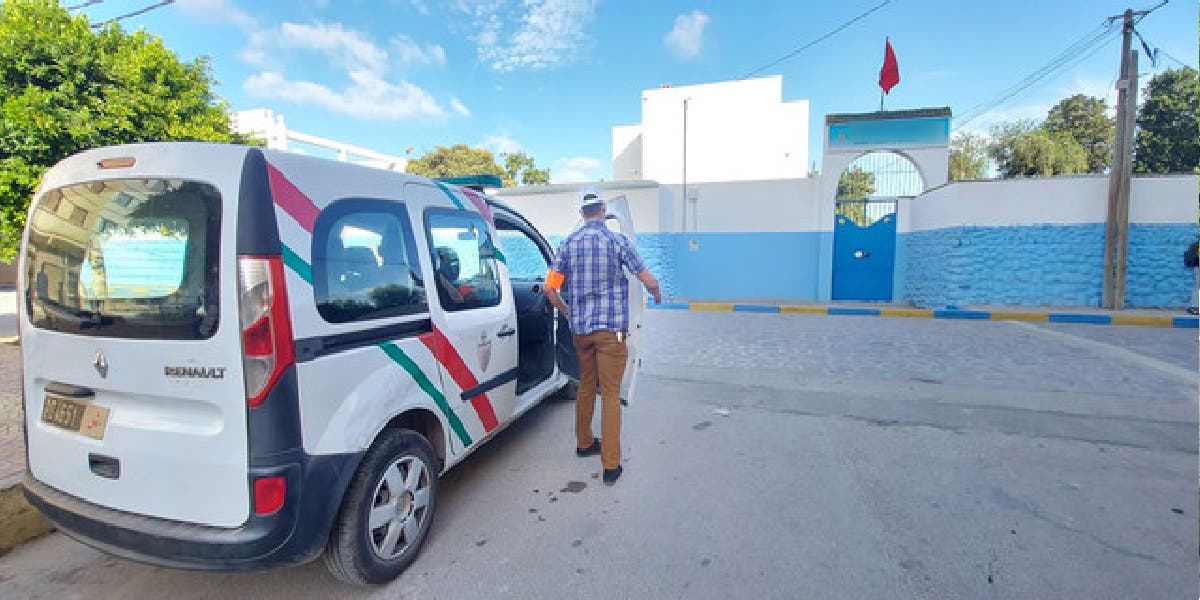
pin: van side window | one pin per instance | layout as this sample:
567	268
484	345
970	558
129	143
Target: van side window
365	263
525	258
464	260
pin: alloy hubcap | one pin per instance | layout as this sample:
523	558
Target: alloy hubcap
399	507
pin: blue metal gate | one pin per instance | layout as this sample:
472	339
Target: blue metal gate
864	249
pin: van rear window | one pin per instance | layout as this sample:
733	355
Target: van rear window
128	258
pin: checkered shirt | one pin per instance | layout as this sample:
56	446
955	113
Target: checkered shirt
595	287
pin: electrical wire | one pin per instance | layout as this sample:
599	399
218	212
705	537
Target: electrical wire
84	5
135	13
1076	52
818	40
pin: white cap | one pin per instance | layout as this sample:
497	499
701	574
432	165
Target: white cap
589	196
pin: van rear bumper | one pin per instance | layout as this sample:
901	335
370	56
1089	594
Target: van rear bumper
295	534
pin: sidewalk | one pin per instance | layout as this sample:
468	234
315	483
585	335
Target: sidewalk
1082	315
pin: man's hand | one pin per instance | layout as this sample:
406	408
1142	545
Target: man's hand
556	300
651	284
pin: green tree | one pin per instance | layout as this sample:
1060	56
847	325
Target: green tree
455	161
1086	120
461	159
65	87
855	184
519	166
968	156
1024	149
1168	140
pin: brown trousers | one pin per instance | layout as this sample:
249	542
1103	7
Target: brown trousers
602	358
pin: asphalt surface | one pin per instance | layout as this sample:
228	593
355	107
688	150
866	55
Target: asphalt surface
788	456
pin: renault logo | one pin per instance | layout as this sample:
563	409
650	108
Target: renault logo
101	365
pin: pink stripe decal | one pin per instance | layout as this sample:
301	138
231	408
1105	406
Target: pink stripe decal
480	204
291	199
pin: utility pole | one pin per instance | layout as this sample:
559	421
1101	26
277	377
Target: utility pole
683	227
1121	170
1116	242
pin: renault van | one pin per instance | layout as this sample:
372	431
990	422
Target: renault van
236	358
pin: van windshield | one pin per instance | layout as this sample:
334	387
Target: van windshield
129	258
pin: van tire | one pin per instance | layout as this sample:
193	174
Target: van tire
353	553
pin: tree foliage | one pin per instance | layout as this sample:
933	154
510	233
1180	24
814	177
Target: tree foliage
519	166
1025	149
461	159
855	184
1085	119
1168	140
65	88
455	161
968	156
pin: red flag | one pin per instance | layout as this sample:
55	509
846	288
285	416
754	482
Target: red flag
889	75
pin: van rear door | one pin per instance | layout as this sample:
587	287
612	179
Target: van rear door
129	332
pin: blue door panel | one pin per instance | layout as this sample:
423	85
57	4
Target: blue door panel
864	259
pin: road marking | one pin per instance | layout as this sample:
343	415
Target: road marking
1166	368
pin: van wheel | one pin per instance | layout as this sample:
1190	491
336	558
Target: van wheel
387	511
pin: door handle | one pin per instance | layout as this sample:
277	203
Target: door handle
507	331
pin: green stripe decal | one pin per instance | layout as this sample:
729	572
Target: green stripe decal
499	255
449	193
297	264
399	357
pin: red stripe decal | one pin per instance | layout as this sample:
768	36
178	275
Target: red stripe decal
291	199
480	205
445	353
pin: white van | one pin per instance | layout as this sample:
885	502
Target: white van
236	358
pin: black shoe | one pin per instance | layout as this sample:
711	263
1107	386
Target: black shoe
611	475
592	450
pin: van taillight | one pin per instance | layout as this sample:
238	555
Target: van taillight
269	494
267	345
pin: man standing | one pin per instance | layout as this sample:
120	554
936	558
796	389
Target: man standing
591	262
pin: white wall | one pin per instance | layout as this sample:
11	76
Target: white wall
736	131
627	152
749	206
554	209
1051	200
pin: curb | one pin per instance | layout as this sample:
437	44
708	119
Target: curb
945	313
21	522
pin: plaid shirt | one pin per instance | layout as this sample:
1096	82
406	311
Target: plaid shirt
596	290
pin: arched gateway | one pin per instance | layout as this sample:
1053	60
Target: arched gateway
882	160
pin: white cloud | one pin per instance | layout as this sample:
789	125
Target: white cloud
459	107
575	169
369	94
418	6
409	52
344	47
686	40
548	33
501	144
220	11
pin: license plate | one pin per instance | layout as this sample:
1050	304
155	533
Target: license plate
73	415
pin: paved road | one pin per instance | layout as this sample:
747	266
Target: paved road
793	456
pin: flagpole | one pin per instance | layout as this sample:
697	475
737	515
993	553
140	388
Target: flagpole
880	100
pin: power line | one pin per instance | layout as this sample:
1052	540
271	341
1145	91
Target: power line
1168	55
816	41
84	5
135	13
1080	50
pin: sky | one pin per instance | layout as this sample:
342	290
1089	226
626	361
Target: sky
552	77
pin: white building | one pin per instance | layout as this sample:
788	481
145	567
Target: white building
264	124
735	131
